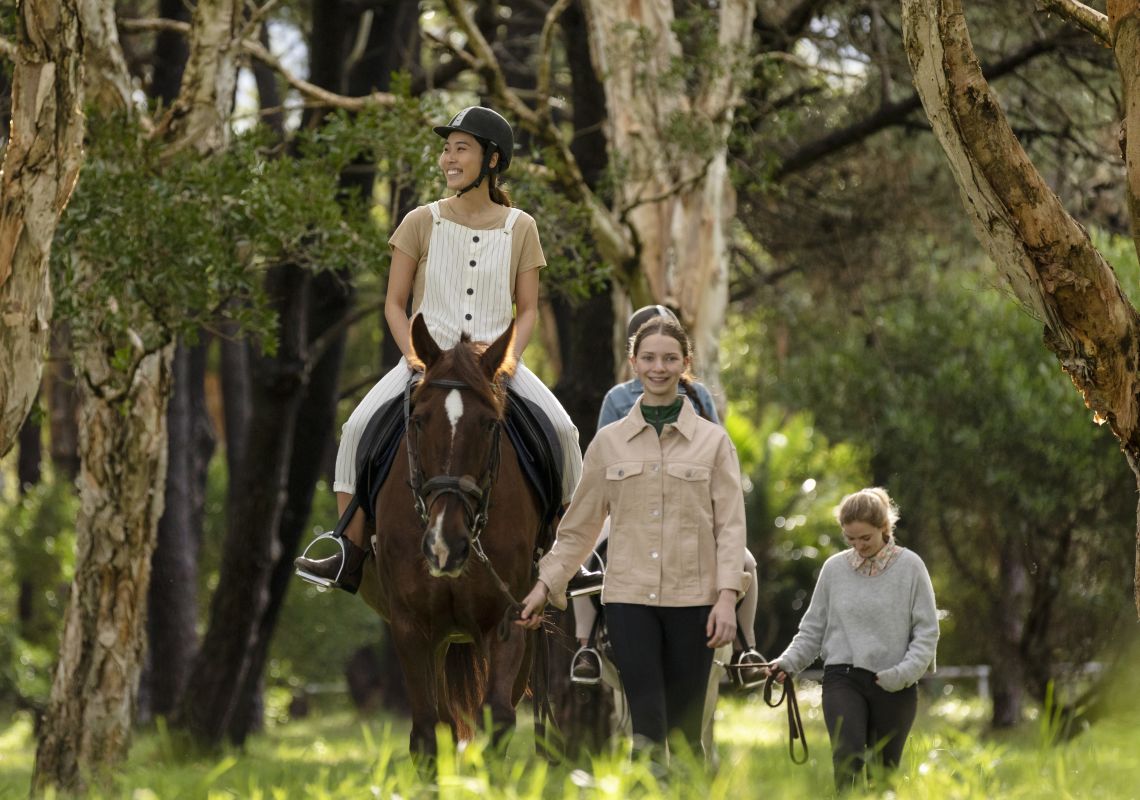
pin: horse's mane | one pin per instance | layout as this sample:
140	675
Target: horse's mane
462	363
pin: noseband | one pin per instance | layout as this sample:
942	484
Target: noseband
475	495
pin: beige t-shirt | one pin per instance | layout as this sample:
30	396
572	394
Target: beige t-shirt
413	236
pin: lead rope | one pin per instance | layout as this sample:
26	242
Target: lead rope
795	724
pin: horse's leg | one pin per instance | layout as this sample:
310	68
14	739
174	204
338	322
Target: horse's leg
418	659
507	681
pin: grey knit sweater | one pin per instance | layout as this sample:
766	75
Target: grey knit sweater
887	623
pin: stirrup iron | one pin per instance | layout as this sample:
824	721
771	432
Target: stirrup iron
317	580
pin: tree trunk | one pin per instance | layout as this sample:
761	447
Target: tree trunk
41	166
251	549
173	597
313	429
62	403
1044	254
30	454
1008	678
86	732
679	202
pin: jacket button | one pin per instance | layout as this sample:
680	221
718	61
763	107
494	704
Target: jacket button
653	595
653	554
621	473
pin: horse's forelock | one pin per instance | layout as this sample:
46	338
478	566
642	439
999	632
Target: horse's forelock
462	363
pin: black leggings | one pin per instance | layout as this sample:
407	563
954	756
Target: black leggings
862	716
664	661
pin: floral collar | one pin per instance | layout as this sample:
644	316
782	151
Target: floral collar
877	563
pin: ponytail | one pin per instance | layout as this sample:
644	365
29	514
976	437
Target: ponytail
499	194
687	385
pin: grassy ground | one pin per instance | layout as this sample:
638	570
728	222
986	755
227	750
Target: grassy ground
338	755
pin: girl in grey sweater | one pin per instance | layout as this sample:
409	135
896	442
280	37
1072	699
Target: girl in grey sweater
873	620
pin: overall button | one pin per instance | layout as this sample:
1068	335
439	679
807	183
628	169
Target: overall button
467	316
470	291
472	262
474	238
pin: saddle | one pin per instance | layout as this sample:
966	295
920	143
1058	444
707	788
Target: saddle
530	432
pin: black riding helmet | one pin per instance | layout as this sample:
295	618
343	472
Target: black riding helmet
493	133
646	313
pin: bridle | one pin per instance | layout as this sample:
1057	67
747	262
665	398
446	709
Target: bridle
475	495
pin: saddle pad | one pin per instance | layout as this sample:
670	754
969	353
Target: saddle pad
539	452
530	432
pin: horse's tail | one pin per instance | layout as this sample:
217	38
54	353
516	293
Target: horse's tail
465	682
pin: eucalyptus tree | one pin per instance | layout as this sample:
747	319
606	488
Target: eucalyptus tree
42	159
1045	255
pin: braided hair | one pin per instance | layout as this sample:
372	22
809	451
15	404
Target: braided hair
669	326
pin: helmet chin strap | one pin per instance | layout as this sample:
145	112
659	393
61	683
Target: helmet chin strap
484	172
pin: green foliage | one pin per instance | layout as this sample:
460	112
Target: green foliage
793	479
320	629
574	269
979	437
37	534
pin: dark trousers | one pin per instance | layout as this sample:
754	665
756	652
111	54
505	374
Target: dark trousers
866	724
664	661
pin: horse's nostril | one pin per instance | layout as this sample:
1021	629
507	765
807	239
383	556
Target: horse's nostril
461	550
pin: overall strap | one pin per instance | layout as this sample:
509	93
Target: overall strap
512	215
434	206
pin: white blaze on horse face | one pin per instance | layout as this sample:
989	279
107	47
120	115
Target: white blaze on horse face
454	406
437	545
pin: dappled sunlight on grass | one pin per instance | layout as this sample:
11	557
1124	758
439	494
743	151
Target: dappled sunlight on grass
336	755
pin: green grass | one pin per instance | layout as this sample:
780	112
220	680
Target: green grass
339	755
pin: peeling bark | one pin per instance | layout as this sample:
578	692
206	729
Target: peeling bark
86	732
1045	255
678	208
41	166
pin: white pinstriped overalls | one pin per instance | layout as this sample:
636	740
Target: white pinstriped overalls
467	288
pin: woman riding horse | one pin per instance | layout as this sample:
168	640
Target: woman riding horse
468	262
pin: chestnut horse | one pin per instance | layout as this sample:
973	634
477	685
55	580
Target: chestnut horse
455	550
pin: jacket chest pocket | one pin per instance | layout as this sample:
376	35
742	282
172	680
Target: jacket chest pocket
625	491
689	492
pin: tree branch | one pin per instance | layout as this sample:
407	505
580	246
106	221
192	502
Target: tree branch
1079	14
891	114
612	238
257	50
545	40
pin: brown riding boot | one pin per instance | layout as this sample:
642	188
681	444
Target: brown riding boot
343	570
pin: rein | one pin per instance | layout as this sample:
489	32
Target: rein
795	724
475	496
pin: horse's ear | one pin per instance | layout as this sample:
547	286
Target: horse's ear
424	349
499	357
